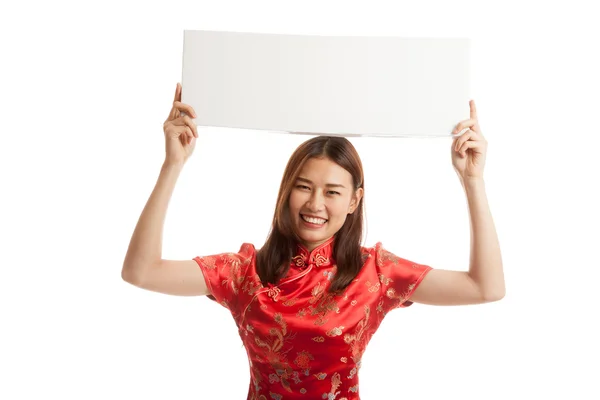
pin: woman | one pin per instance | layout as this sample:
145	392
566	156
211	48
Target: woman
307	303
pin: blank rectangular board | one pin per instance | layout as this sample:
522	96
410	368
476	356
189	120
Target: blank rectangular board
332	85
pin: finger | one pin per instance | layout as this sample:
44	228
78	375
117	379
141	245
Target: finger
192	126
466	124
184	108
188	135
182	132
465	137
184	140
470	145
184	120
473	109
172	131
459	141
177	93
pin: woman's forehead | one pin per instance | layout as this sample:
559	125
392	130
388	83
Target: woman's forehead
324	171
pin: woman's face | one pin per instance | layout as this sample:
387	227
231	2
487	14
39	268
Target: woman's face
322	197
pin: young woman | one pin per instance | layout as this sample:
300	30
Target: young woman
307	303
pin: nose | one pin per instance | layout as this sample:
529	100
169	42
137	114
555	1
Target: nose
316	202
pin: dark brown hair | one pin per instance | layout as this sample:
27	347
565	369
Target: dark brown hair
274	258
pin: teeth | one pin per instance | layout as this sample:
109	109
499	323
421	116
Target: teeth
317	221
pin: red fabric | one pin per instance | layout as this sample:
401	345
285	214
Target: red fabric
302	342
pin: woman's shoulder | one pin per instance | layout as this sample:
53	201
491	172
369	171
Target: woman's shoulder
374	249
247	248
244	256
379	254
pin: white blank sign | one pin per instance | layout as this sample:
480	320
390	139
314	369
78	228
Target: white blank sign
334	85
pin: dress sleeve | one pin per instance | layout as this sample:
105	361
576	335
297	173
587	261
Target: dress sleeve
225	274
398	278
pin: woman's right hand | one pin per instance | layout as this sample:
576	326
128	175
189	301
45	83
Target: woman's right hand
180	131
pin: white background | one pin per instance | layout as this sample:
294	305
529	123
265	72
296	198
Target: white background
84	92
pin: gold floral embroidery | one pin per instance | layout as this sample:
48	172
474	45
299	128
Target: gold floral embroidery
320	376
384	255
303	360
353	302
231	264
235	277
402	297
353	372
358	339
275	356
385	281
289	302
318	339
336	381
316	293
321	303
251	286
344	359
373	288
337	331
380	306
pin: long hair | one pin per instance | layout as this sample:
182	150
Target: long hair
274	258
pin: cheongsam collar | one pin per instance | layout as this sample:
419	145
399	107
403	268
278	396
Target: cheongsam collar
319	257
306	261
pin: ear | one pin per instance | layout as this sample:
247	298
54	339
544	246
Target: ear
355	200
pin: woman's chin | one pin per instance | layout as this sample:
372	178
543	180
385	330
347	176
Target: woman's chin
310	240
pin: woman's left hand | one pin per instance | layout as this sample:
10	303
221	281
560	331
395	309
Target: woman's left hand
469	149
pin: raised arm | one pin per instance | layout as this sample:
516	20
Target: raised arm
143	265
484	282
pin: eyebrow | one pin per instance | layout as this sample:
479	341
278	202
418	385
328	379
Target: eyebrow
334	185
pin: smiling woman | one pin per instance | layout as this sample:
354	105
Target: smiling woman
308	302
320	196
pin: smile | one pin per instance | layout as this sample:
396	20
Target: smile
316	221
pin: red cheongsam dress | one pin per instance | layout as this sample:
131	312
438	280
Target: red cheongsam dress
303	342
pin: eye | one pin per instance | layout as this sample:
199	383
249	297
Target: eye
333	192
303	187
